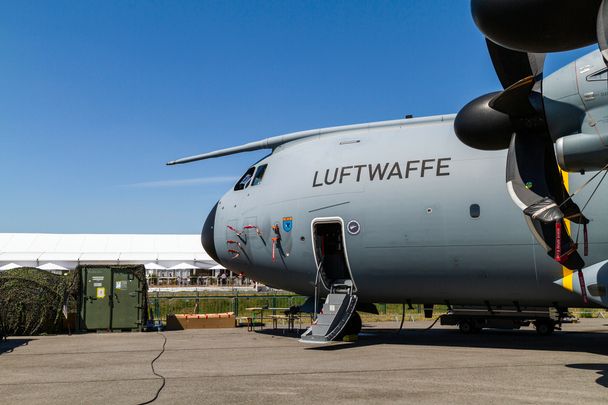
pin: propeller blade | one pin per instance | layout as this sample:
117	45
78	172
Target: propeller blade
514	100
602	29
512	66
535	185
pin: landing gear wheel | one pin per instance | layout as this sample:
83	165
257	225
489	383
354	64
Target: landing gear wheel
353	326
544	327
467	326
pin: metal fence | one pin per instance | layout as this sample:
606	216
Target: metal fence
162	305
203	281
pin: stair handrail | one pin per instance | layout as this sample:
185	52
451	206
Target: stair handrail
317	286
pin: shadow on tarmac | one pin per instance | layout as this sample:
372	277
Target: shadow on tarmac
524	339
7	346
601	369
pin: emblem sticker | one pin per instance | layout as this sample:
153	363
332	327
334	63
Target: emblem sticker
101	292
353	227
287	224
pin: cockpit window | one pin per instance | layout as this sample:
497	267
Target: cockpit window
244	181
259	174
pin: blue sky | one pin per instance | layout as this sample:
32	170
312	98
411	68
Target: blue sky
95	96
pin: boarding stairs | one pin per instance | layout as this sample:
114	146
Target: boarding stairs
337	310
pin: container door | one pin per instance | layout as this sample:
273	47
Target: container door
97	298
126	300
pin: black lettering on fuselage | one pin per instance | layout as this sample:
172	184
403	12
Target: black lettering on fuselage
440	166
425	167
408	167
377	171
380	171
344	173
314	181
359	167
327	175
395	171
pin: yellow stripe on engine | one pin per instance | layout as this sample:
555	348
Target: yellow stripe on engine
567	280
566	272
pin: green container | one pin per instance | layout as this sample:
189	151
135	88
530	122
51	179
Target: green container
112	297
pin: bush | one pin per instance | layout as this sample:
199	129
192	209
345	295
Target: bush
32	301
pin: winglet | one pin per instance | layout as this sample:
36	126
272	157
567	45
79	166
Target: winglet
263	144
276	141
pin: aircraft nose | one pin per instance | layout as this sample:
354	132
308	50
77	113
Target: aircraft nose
207	235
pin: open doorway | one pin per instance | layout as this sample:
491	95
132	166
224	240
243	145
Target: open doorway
330	251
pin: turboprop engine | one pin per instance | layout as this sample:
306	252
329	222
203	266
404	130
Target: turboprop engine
571	110
560	122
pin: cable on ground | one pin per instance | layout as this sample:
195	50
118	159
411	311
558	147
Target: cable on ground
416	329
157	374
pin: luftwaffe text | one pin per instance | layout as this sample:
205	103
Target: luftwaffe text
382	171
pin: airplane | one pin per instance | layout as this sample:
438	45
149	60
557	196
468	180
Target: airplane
417	209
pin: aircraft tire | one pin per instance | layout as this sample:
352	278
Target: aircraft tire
353	326
544	327
467	326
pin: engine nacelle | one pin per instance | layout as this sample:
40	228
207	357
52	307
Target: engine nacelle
576	109
537	25
581	152
481	127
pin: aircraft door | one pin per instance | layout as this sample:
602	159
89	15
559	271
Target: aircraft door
330	251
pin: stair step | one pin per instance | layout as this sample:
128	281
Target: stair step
337	310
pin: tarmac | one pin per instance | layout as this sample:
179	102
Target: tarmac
224	366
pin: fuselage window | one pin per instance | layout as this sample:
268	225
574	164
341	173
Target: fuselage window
259	174
475	210
244	181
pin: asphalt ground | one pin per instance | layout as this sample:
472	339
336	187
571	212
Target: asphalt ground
223	366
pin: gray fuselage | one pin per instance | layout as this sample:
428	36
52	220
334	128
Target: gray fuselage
410	185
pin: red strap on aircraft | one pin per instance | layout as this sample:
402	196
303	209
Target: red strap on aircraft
558	241
581	281
277	232
586	240
274	242
229	241
233	229
257	230
236	253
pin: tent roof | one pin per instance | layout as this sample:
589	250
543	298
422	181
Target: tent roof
154	266
115	248
51	266
10	266
183	266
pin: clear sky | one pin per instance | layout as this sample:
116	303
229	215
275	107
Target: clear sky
95	96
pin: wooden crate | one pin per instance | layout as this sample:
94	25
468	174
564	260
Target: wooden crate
200	321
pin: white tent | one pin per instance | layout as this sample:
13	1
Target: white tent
51	267
217	267
154	266
183	270
184	266
10	266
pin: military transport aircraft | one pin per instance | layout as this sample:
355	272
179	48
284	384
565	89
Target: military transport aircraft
417	210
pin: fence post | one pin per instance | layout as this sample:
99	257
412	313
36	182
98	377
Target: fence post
236	304
198	303
157	307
